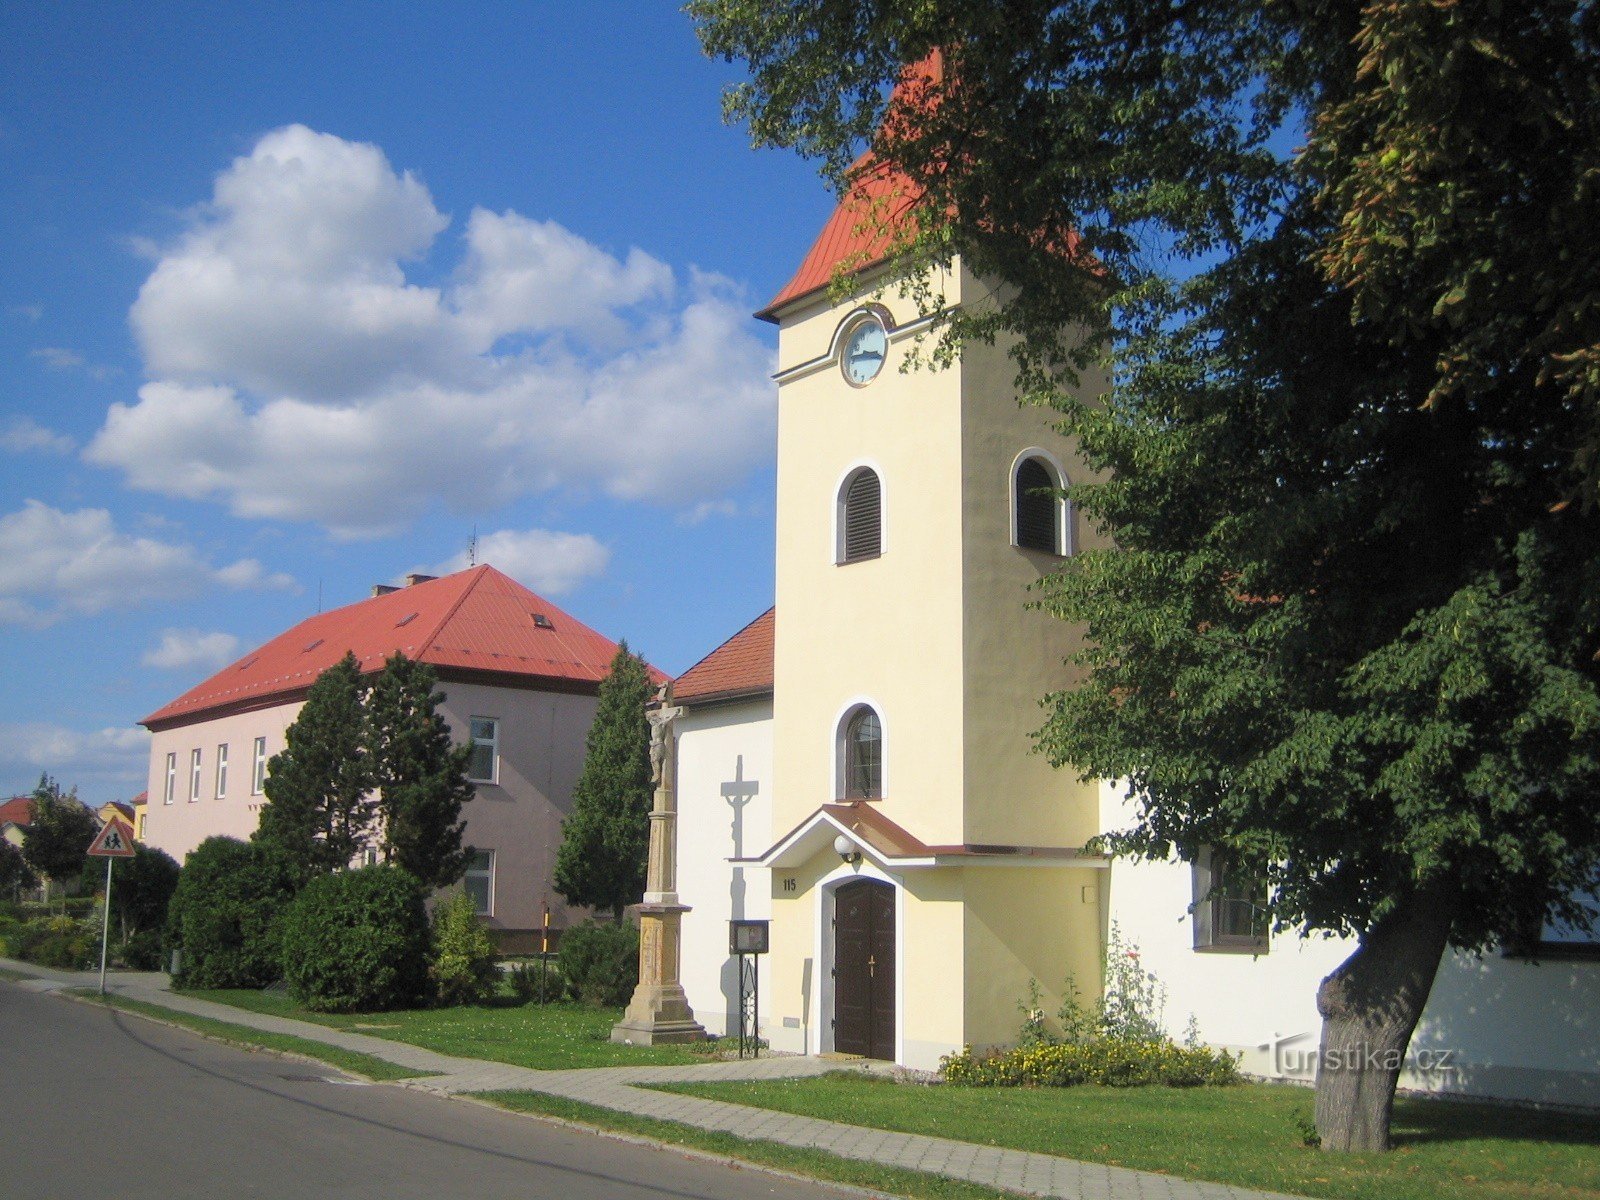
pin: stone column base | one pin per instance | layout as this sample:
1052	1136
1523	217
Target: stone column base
659	1013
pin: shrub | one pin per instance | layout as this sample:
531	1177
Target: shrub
357	941
600	962
225	914
66	943
141	950
1110	1062
537	981
463	969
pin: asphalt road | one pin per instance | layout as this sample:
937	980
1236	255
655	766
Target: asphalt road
100	1104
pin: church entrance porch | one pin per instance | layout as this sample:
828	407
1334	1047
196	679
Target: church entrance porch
863	971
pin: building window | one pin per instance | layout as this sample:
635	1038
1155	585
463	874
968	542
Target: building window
484	765
479	881
172	778
222	770
194	774
862	754
1039	514
1546	937
258	772
1230	905
860	517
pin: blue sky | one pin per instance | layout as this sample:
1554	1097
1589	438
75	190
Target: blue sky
294	297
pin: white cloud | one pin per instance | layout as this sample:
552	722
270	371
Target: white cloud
23	435
55	563
115	760
28	312
542	559
59	358
296	374
181	649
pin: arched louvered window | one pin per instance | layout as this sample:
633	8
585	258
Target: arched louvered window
863	755
1038	508
861	517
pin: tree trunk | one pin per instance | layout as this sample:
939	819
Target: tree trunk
1370	1005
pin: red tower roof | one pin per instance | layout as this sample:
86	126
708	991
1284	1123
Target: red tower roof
477	620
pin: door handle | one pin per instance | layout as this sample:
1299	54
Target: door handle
872	967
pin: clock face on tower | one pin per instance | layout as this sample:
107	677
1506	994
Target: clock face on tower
865	348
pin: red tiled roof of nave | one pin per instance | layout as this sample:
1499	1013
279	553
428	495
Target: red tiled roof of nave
474	620
877	212
18	810
741	666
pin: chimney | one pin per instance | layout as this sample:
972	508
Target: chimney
383	589
413	580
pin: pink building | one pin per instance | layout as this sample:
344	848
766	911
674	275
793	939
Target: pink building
519	679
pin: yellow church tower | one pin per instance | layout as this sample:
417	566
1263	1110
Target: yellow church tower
928	864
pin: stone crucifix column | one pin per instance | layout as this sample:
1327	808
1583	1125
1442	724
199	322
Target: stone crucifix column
659	1011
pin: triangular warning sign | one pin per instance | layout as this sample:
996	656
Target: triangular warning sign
114	841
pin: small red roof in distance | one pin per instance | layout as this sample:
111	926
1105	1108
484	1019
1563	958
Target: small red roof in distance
141	798
741	666
474	620
18	810
878	209
123	807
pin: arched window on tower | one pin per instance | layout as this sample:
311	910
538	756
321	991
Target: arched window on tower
861	753
1039	512
860	517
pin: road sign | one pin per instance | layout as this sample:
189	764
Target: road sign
114	841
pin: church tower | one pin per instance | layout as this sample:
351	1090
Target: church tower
928	863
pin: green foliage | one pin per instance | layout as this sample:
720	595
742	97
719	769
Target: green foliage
319	812
600	961
56	842
16	876
66	943
463	970
540	982
421	778
605	839
141	950
1132	998
357	941
224	914
1110	1062
141	887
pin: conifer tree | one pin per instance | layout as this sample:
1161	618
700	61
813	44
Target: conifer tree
319	811
605	840
420	776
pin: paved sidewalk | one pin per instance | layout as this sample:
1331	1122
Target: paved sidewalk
619	1089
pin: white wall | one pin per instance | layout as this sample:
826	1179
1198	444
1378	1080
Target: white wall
1505	1028
724	753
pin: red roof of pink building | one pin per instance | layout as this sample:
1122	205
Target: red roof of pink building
477	621
18	811
741	666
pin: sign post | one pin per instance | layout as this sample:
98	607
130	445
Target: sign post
747	940
111	843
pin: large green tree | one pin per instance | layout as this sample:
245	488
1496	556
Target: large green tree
57	839
319	812
1350	631
420	776
16	876
605	839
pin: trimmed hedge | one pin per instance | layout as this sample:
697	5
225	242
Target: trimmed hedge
463	970
600	962
225	912
357	941
1110	1062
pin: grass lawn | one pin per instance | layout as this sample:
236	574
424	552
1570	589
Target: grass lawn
546	1037
818	1164
242	1035
1248	1136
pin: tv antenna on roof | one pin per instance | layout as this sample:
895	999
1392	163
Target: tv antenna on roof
472	548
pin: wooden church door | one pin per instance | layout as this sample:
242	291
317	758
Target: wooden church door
863	969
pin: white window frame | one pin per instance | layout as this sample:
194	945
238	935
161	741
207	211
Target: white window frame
196	760
171	793
492	741
486	874
1065	543
837	747
258	774
222	770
